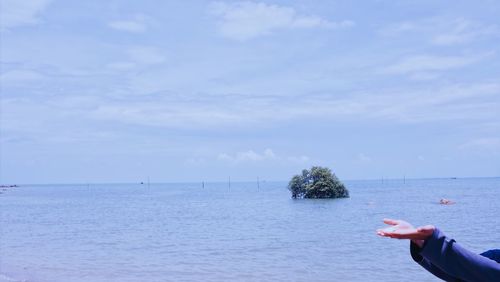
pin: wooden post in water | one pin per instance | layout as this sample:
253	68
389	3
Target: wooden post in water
258	183
90	189
203	185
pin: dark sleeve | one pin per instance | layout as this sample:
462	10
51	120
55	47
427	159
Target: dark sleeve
451	258
415	254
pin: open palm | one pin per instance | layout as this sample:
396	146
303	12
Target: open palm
401	229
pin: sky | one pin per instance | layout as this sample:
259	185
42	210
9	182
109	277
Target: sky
118	91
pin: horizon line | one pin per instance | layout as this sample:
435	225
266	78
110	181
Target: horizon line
243	181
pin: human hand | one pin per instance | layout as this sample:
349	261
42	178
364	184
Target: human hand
401	229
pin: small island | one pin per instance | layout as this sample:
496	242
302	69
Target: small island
317	183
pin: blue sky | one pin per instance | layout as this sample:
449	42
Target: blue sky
115	91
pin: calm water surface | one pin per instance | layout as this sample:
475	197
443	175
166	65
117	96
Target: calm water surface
181	232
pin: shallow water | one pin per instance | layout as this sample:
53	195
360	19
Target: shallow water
181	232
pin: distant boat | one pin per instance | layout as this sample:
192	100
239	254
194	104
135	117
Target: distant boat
453	178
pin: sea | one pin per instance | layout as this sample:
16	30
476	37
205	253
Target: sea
242	231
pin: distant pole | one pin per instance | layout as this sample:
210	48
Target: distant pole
203	185
258	183
229	183
90	189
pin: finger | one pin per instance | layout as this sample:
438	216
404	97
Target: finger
391	229
382	232
391	221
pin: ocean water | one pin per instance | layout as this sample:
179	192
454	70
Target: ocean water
182	232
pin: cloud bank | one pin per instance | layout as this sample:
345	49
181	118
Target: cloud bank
246	20
15	13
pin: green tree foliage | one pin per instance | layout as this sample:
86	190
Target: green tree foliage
317	183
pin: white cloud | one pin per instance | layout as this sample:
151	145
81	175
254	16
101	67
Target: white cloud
247	20
453	102
463	31
194	161
17	12
130	26
138	56
20	76
120	66
465	102
266	155
443	31
146	55
428	63
247	156
491	144
137	24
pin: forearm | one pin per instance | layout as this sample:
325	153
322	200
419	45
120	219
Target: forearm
415	248
451	258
